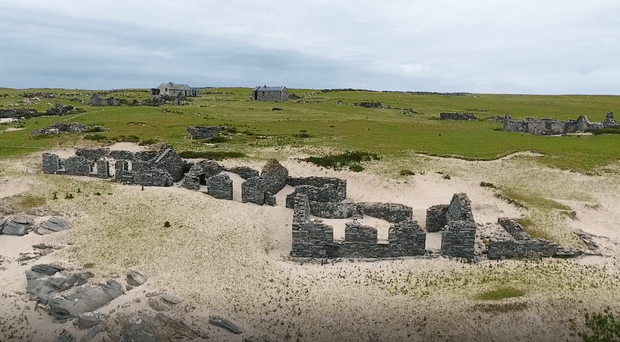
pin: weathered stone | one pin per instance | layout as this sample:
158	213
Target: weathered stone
210	168
46	269
18	225
135	278
391	212
92	153
51	163
275	176
507	249
96	100
436	218
200	132
334	210
555	127
73	127
220	186
459	236
84	298
226	324
514	228
78	166
368	104
252	191
245	172
87	320
335	189
168	160
191	180
325	193
55	224
457	116
65	336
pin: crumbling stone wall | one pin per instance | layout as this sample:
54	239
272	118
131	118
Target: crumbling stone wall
191	180
459	235
18	113
73	127
326	193
153	168
391	212
436	218
220	186
58	109
555	127
262	189
521	244
311	238
406	238
246	172
457	116
201	132
340	185
96	100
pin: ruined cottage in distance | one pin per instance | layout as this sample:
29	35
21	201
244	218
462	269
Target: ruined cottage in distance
172	89
265	93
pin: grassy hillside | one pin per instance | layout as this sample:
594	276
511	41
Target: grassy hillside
406	123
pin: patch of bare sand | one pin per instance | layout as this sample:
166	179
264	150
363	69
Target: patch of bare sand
12	187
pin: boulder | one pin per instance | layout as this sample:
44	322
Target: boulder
88	320
135	278
53	225
84	298
18	225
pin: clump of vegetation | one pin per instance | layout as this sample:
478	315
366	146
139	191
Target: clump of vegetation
487	185
167	224
356	168
501	293
94	137
151	141
68	196
338	161
221	155
407	173
31	201
216	139
605	327
126	138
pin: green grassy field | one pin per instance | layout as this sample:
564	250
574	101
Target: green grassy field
406	123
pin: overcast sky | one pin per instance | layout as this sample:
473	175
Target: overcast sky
496	46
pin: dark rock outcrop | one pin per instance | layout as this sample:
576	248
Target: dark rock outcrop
17	225
201	132
53	225
73	127
96	100
457	116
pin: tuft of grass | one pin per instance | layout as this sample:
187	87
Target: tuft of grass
94	137
501	293
349	158
604	327
356	168
407	173
608	130
31	201
212	155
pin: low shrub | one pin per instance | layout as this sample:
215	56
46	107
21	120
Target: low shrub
342	160
95	137
501	293
605	327
407	173
212	155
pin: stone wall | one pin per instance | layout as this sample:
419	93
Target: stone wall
154	168
245	172
459	235
326	193
18	113
311	238
457	116
262	189
277	96
201	132
436	218
520	245
340	185
96	100
407	238
556	127
391	212
73	127
220	186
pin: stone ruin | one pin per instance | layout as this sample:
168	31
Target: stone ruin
73	127
370	105
96	100
457	116
201	132
18	113
155	168
557	127
322	197
58	109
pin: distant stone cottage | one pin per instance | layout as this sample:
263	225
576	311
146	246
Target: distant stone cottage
172	89
265	93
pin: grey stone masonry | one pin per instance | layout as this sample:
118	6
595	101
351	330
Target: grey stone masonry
200	132
391	212
220	186
245	172
339	186
252	191
555	127
436	218
191	180
325	193
459	236
514	228
210	168
521	244
310	238
153	168
263	188
96	100
73	127
334	210
457	116
406	238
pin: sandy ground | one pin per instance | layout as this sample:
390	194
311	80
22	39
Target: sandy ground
231	259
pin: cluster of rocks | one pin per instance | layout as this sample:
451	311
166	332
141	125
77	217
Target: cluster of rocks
201	132
457	116
96	100
518	243
24	224
58	109
368	104
73	127
556	127
160	167
18	113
